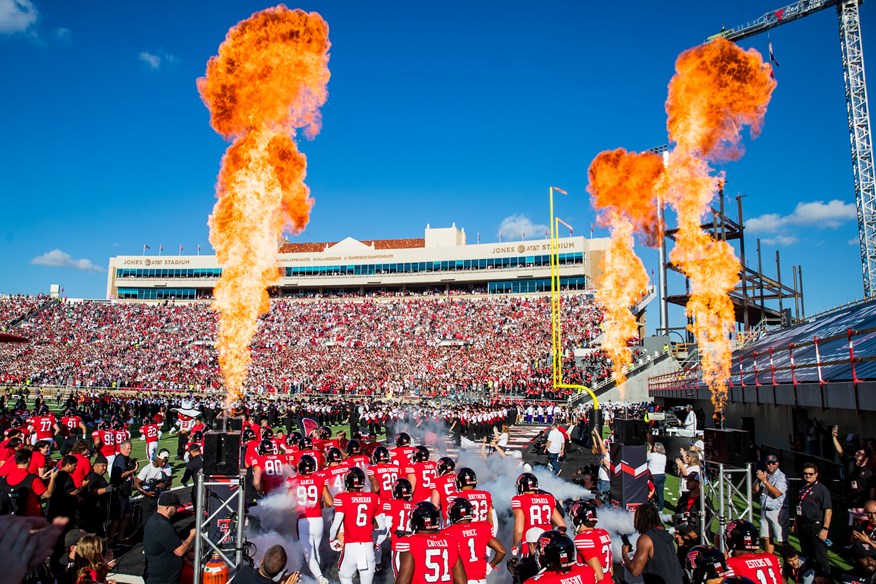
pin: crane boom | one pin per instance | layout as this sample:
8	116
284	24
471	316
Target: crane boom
860	137
775	18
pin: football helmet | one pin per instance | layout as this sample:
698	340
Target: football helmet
334	455
583	512
741	535
466	477
526	482
403	489
424	516
460	510
354	448
445	465
403	439
380	455
354	480
704	562
306	465
554	551
421	454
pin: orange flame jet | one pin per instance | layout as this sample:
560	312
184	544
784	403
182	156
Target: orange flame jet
717	89
623	186
269	79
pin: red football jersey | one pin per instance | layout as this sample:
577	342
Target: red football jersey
424	472
296	457
107	441
359	460
251	456
71	423
42	426
445	485
473	539
386	475
359	511
272	471
578	574
401	455
149	432
537	510
595	543
334	477
481	502
306	490
120	436
762	567
398	514
434	555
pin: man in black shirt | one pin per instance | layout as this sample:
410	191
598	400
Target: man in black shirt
193	467
162	546
96	494
814	511
121	478
272	565
64	498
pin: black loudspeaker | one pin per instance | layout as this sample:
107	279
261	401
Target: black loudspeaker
630	431
727	446
596	421
222	453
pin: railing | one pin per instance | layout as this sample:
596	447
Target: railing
821	360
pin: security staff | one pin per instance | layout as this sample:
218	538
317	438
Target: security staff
814	512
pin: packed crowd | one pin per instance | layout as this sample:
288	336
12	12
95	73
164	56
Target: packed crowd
397	346
14	307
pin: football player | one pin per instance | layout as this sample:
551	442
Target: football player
593	543
474	537
555	554
359	514
533	508
741	540
426	556
308	489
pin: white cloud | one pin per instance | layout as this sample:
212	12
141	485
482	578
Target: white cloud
781	240
514	227
153	61
16	16
765	223
821	214
62	34
854	241
59	259
814	214
157	60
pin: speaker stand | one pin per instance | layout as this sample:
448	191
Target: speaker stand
235	505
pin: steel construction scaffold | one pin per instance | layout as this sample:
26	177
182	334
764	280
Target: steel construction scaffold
860	137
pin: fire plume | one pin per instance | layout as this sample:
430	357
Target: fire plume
623	187
268	80
717	89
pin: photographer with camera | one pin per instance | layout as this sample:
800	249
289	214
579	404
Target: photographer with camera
153	480
121	478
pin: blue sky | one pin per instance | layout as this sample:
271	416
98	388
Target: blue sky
443	112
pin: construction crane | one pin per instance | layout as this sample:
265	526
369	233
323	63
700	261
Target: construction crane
856	104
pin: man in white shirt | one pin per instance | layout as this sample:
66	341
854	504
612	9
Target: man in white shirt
554	448
690	422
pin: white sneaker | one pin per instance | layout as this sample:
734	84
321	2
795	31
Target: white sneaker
322	580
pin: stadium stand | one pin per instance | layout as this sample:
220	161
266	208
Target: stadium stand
424	344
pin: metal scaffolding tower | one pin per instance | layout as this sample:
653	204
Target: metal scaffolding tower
856	104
